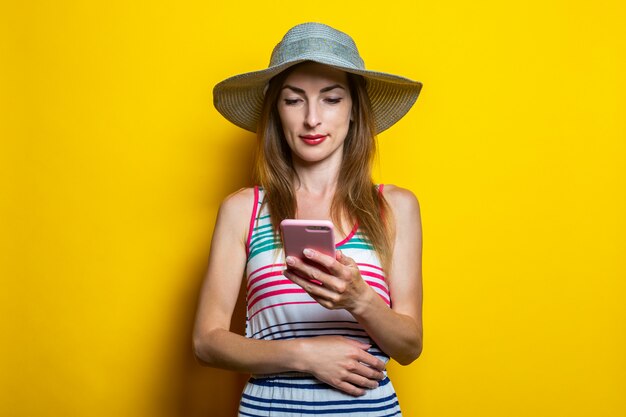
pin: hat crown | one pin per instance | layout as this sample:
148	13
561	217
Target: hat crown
318	42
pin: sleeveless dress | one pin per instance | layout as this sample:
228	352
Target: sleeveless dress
278	309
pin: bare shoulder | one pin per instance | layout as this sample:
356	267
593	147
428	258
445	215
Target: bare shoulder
236	210
402	201
407	229
239	201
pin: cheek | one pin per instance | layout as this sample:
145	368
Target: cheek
342	118
287	119
346	110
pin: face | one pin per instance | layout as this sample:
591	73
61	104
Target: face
315	108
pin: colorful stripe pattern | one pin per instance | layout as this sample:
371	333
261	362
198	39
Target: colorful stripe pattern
279	310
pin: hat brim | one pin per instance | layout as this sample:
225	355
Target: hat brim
240	98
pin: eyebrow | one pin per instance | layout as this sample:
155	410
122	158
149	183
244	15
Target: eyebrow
323	90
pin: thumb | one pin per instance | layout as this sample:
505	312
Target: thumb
343	259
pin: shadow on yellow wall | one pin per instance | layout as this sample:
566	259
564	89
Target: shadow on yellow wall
209	391
204	391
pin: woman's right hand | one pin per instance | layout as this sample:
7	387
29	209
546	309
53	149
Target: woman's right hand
342	363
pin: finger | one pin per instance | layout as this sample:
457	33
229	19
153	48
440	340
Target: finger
349	389
360	345
344	260
361	381
366	358
303	282
328	262
300	267
369	373
371	361
313	288
311	272
338	267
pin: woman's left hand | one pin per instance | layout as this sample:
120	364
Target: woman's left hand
335	284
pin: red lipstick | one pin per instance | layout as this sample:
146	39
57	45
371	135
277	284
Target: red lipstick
313	139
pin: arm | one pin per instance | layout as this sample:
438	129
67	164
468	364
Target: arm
396	330
215	345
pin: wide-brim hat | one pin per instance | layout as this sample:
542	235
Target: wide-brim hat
240	98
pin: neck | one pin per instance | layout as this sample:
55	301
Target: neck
318	178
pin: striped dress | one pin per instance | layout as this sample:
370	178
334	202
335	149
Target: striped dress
278	309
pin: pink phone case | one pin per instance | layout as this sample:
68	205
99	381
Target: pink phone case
312	234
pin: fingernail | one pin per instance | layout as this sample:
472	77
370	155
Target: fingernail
308	253
290	261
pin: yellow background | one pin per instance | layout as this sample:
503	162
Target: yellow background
113	162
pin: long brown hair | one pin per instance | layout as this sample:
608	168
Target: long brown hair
356	198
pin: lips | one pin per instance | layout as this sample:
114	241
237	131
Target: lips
313	139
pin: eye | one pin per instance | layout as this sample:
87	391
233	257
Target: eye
291	101
332	100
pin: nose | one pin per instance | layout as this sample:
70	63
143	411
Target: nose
312	118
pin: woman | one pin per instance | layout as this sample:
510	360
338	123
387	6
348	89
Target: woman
318	334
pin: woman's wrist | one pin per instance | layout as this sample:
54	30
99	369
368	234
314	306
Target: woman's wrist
364	302
297	355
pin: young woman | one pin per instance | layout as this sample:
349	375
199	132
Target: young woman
318	333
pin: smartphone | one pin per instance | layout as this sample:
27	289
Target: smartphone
313	234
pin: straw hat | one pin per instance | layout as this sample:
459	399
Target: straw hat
240	98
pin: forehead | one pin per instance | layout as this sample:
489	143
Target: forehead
314	73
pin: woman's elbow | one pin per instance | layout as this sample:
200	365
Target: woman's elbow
201	351
410	354
198	352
